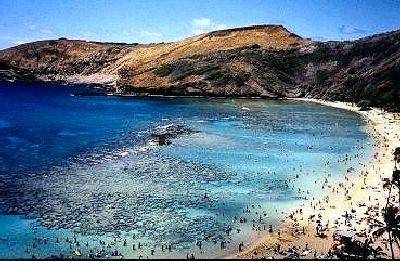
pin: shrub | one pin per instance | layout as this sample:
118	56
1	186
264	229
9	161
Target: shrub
207	68
287	64
241	78
164	70
390	100
4	65
322	76
322	52
223	80
214	74
177	70
181	69
52	42
364	105
351	80
271	79
352	70
218	76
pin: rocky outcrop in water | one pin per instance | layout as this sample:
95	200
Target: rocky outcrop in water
263	61
142	192
164	134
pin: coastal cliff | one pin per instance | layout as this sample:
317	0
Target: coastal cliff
263	61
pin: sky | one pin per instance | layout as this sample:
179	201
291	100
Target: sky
147	21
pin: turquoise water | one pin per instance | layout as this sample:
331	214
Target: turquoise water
80	167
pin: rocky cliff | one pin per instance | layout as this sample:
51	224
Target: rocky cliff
265	60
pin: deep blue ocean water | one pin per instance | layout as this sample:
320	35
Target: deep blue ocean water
245	152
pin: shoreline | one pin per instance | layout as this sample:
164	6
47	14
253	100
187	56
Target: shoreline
358	194
107	87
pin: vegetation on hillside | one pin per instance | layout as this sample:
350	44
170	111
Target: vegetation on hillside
266	61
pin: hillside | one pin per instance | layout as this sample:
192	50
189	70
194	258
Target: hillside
264	60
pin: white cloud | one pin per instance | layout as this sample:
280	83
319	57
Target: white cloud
204	25
320	38
221	27
46	31
345	29
145	33
20	42
9	41
26	40
201	22
29	24
142	36
82	35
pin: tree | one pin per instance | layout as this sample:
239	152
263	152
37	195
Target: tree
391	226
391	215
396	154
396	179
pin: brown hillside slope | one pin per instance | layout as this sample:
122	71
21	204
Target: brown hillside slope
59	59
140	62
85	61
263	61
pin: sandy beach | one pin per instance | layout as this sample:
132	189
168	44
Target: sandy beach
353	204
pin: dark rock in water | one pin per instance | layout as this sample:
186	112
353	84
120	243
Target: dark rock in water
83	94
165	134
159	140
92	90
173	131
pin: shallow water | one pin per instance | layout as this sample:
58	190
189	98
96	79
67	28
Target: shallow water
81	165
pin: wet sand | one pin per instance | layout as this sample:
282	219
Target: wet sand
362	198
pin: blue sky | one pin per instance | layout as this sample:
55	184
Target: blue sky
148	21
